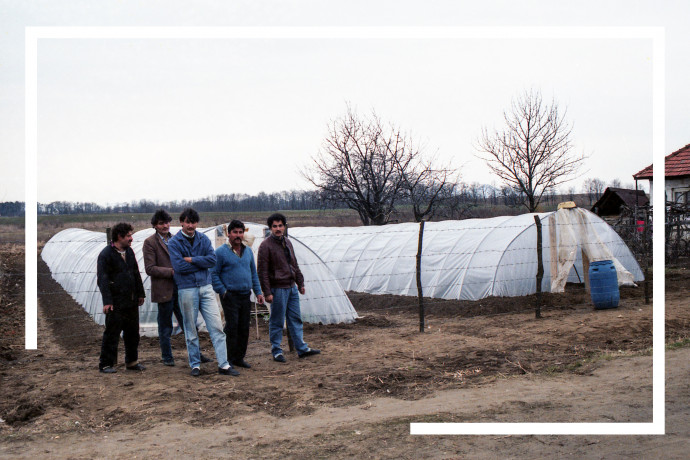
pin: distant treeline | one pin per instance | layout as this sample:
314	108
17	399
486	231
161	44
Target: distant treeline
465	197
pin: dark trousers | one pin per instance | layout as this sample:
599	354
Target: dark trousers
165	326
237	311
125	321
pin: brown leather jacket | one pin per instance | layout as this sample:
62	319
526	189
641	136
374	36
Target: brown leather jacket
158	266
273	268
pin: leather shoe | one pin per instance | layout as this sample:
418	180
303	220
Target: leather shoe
136	367
195	372
309	352
228	371
108	370
242	363
204	359
170	362
280	358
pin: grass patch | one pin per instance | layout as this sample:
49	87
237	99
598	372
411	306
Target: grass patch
678	344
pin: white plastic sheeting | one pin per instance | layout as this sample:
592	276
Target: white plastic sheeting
71	256
468	259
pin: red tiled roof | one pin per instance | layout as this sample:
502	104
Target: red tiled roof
677	164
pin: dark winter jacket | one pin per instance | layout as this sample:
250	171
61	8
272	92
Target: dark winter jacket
119	280
273	267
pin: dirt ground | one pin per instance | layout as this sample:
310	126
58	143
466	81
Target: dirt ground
486	361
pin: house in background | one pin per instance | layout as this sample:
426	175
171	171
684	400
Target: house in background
677	176
614	200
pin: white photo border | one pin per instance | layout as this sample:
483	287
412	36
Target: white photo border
655	34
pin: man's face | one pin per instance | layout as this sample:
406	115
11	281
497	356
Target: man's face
277	228
236	235
188	227
163	228
125	241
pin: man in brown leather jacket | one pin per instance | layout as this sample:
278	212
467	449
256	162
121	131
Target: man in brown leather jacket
282	282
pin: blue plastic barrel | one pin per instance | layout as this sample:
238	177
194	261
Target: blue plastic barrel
603	284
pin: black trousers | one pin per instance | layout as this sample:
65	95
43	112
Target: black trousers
125	321
237	311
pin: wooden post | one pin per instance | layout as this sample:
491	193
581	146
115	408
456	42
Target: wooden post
645	235
256	318
291	345
420	294
585	269
540	267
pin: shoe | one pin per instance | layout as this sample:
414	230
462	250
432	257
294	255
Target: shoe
136	367
280	358
108	370
204	359
170	362
195	372
228	371
242	363
309	352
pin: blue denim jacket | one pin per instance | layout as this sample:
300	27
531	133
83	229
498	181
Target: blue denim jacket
203	256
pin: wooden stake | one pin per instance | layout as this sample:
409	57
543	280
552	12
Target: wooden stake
540	267
420	294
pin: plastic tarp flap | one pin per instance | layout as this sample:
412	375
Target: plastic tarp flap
71	256
578	233
468	259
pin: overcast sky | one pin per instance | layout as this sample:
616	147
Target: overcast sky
169	119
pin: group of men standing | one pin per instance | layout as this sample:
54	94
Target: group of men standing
186	273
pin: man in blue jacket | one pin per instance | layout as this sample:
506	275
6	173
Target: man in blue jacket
234	277
192	257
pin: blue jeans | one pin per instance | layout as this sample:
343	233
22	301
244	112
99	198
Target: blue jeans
202	300
165	325
285	309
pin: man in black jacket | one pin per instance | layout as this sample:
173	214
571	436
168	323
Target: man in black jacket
120	284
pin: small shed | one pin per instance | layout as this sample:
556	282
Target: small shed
613	201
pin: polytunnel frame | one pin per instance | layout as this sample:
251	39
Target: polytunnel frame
655	34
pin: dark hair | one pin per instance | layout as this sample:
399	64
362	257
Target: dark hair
190	215
274	217
121	230
235	224
160	216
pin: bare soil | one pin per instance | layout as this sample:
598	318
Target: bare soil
486	361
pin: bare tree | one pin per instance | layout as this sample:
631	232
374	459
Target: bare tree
426	187
594	188
370	167
533	153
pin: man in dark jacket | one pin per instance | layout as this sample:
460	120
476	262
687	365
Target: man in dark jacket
282	282
120	284
163	290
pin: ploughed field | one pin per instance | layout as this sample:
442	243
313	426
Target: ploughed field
381	360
